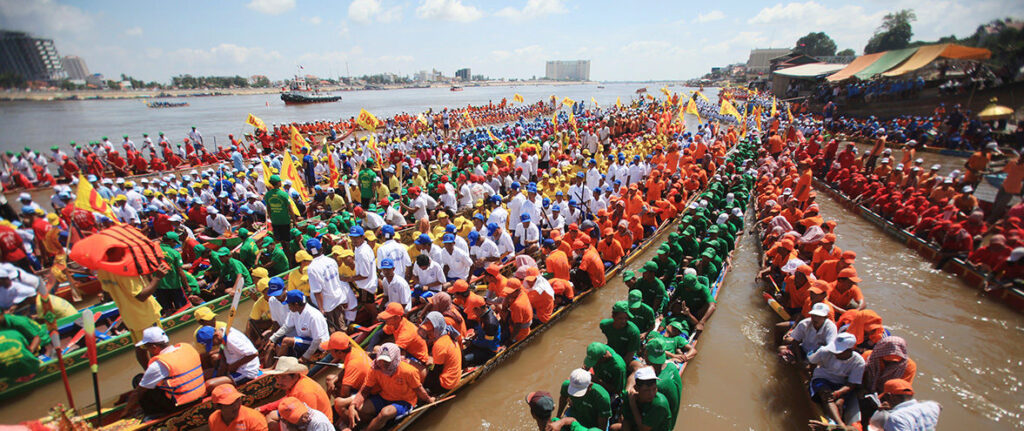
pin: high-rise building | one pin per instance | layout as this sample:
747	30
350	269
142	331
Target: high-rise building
75	67
572	70
463	74
32	58
760	59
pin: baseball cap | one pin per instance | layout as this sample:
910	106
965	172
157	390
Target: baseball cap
292	410
620	307
459	286
850	273
356	231
392	310
338	341
275	286
524	217
579	382
645	373
635	298
448	239
295	297
541	404
204	336
820	309
423	239
843	342
655	351
313	244
493	269
628	275
387	263
225	394
897	387
204	313
595	351
152	335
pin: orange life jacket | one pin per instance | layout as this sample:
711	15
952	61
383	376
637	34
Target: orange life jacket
122	250
184	382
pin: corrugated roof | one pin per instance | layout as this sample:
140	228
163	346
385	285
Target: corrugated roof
812	70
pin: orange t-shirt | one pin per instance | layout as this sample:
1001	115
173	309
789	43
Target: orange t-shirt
557	264
447	354
542	303
357	367
594	266
248	420
1014	177
520	311
400	386
563	287
842	299
497	287
610	250
310	392
408	339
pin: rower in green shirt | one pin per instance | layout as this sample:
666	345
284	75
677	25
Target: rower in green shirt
169	290
18	360
367	179
642	315
232	270
609	368
699	303
248	250
36	337
279	209
644	407
623	336
278	263
591	404
669	382
652	288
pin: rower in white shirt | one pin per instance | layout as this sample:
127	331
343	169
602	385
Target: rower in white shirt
499	215
428	275
516	202
506	247
393	285
526	235
455	259
397	252
483	251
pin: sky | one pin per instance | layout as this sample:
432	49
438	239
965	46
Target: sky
633	40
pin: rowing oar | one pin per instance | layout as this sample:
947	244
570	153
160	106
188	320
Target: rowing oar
234	306
90	350
51	324
436	402
339	366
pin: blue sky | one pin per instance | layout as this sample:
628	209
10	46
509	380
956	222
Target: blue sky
634	40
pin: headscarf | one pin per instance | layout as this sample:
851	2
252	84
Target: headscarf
442	303
392	352
813	235
878	371
441	327
780	221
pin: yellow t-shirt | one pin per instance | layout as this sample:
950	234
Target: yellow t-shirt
298	279
136	315
260	310
61	307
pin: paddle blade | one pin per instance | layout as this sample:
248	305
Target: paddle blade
88	322
89	326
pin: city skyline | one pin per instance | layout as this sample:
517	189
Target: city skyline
155	41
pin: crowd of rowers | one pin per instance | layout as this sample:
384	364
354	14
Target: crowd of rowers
941	210
632	381
581	199
102	159
860	373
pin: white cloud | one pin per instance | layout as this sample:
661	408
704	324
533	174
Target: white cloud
225	53
366	11
714	15
448	10
133	31
271	7
315	20
533	9
526	54
45	17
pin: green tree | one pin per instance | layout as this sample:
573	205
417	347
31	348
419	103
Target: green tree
816	45
894	33
12	80
848	52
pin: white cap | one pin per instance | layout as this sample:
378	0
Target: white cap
646	373
579	382
843	342
918	160
1016	254
936	167
722	218
736	211
967	189
174	218
820	309
212	210
689	271
787	191
992	145
24	196
948	180
885	160
152	335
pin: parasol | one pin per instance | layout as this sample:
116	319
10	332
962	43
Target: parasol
995	111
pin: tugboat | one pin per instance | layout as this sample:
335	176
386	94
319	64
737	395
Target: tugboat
456	88
301	93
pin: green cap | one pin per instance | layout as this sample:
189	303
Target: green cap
678	326
628	275
199	249
267	241
369	161
635	298
224	250
172	236
595	351
243	233
649	266
275	179
104	138
296	232
124	136
54	148
620	307
655	352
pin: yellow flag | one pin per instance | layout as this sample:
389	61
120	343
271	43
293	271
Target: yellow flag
491	135
572	121
421	118
728	109
774	111
568	102
256	122
468	118
618	102
290	172
789	114
297	140
376	151
691	108
87	198
757	118
367	121
266	171
702	96
664	91
595	103
554	119
518	98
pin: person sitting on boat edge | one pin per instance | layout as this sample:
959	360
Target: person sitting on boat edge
391	390
580	399
445	368
839	373
293	379
231	415
174	377
304	330
236	363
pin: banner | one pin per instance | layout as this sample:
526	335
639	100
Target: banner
367	121
618	103
728	109
290	172
468	118
595	103
297	140
256	122
87	198
568	102
518	98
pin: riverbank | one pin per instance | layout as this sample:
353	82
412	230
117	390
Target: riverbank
63	95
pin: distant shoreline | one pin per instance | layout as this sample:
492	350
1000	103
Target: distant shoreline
63	95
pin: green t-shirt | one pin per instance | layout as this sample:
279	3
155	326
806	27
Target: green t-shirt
653	291
171	281
247	253
696	298
588	408
625	340
231	270
278	206
367	178
612	373
654	414
642	317
15	360
278	262
27	327
671	386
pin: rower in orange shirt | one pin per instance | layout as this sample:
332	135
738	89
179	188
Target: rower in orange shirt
540	293
610	249
518	312
591	263
829	270
405	334
556	262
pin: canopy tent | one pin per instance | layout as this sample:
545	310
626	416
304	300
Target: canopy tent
887	61
857	65
809	71
925	55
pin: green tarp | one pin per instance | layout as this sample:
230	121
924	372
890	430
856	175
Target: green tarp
888	61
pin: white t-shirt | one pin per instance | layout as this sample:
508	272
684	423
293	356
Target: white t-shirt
498	216
529	233
324	279
238	346
835	370
365	266
505	244
432	274
811	339
373	221
421	205
458	262
309	324
398	290
485	250
397	252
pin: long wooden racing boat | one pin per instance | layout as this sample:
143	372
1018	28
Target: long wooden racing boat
1012	297
924	148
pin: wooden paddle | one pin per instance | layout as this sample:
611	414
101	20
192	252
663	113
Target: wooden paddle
425	406
89	326
234	306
